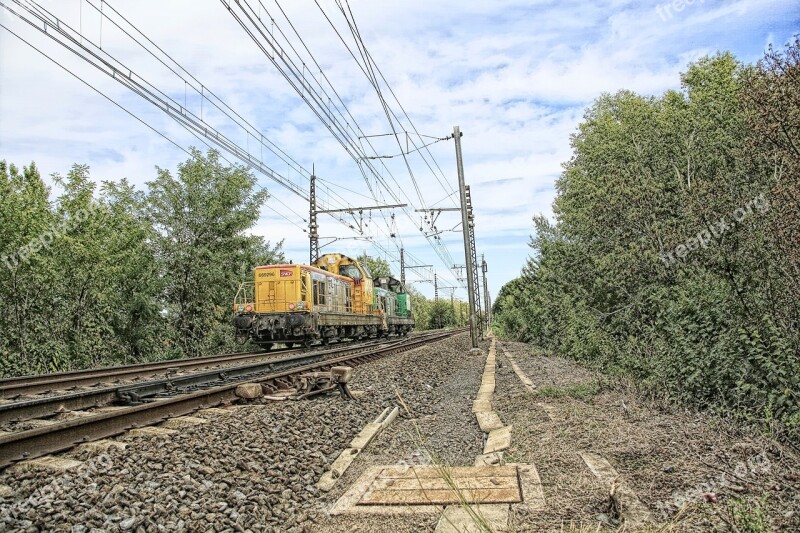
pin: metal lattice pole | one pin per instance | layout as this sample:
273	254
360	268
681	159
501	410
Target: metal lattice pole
466	225
313	234
476	286
403	268
487	321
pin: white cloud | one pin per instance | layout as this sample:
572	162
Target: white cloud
515	75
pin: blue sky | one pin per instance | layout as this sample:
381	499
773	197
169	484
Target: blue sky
515	76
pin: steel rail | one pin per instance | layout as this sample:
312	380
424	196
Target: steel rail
25	385
36	384
137	392
65	435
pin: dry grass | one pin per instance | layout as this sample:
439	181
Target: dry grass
687	468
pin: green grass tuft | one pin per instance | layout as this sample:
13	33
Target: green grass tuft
581	391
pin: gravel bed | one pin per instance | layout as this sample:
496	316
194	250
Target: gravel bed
256	467
436	425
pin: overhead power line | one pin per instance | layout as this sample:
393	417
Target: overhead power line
60	32
326	103
37	17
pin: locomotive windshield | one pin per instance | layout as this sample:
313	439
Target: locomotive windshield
351	271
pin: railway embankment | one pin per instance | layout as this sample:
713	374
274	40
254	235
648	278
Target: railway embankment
604	457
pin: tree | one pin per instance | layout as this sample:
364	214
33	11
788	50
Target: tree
25	216
84	284
672	257
378	267
92	279
201	219
441	315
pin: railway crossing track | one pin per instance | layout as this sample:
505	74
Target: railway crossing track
62	435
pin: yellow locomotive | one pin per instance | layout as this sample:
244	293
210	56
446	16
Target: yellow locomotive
335	298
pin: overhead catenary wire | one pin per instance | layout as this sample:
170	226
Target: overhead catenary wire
65	35
294	75
291	65
107	63
135	116
110	66
370	61
207	94
138	118
293	68
443	252
95	89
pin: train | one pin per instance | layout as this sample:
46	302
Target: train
335	298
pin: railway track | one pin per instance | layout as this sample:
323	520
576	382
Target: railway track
27	386
154	407
144	391
32	385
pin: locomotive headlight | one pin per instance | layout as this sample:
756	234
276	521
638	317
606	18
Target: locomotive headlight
301	305
240	308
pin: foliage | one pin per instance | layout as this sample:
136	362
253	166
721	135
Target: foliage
674	253
200	219
429	314
748	516
442	315
378	267
95	277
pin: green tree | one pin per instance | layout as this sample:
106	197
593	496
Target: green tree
25	216
667	259
93	278
202	218
137	287
378	267
441	315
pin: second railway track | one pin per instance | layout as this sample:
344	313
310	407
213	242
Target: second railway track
18	412
62	435
31	385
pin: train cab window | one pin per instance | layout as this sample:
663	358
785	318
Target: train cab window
350	271
319	288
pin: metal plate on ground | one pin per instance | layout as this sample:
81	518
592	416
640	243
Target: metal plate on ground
431	485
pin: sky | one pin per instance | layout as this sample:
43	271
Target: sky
515	76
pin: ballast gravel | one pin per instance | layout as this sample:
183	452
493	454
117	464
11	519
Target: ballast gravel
255	468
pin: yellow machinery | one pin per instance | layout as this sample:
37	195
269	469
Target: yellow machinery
298	304
363	288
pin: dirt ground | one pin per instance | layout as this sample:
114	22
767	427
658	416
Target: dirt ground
690	472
